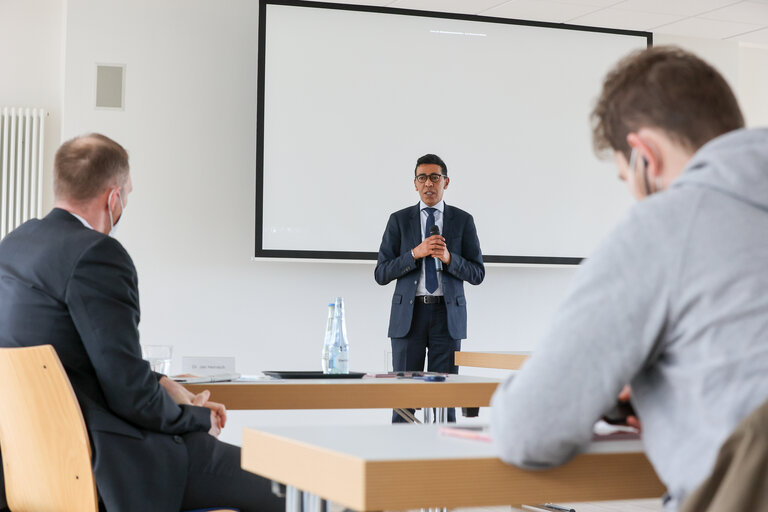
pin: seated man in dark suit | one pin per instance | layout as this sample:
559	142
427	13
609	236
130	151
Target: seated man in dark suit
429	310
64	281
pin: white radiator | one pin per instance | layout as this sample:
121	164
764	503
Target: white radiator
21	165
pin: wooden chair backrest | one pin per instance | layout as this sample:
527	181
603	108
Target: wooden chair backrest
43	440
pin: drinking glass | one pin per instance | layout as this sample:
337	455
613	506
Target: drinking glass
158	356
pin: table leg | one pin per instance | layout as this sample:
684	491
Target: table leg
407	416
435	415
294	499
300	501
278	489
314	503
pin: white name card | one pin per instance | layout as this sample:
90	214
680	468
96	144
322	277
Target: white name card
207	365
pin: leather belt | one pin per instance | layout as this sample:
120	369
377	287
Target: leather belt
430	299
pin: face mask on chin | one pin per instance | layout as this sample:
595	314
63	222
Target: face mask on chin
113	225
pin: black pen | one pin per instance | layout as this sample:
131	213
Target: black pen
558	508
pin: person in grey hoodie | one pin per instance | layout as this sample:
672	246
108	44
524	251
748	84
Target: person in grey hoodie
674	301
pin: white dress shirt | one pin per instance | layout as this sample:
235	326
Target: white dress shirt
85	222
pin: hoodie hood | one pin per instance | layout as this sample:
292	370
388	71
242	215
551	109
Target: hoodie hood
735	164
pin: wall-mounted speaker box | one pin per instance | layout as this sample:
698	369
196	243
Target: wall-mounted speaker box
110	86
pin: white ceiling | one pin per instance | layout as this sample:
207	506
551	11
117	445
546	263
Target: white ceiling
737	20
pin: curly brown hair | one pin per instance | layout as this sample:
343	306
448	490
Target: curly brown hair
667	88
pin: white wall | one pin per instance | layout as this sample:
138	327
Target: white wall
190	126
31	64
753	79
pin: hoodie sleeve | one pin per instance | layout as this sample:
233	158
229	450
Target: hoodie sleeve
599	339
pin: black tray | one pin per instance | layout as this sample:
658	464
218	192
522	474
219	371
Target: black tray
314	375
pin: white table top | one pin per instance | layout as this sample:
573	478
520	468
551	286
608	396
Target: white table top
367	380
400	467
366	393
404	442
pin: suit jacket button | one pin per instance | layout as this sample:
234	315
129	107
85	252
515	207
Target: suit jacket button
178	440
415	282
411	301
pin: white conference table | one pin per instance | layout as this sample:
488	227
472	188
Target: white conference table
399	467
365	393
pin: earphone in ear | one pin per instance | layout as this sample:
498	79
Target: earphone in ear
642	173
657	183
646	181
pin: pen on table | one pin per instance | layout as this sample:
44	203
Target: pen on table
558	508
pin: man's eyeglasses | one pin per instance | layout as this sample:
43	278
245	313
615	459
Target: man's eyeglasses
434	178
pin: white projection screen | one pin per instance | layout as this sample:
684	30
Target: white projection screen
350	96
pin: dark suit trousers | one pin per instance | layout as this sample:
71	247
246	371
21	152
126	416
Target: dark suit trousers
428	337
215	478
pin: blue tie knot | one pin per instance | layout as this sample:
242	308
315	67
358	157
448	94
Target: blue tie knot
430	220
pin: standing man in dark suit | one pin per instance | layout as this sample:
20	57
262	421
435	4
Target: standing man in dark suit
429	311
65	282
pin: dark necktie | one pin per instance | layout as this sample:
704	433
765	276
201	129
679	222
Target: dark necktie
430	272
